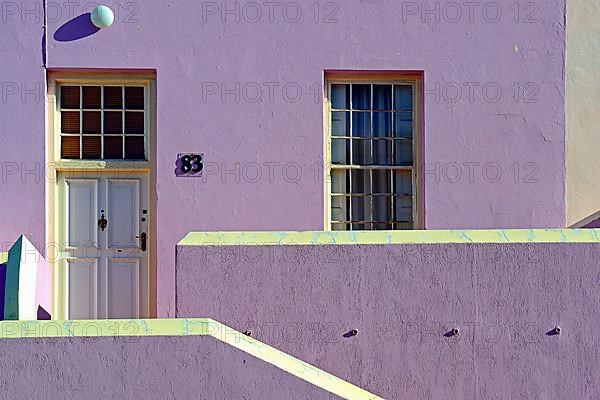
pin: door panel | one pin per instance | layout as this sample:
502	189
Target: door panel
123	289
82	289
82	201
104	273
124	212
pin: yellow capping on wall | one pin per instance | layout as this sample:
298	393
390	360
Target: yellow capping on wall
3	257
391	237
185	327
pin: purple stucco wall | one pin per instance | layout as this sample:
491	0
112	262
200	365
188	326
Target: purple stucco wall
404	299
142	368
22	138
510	146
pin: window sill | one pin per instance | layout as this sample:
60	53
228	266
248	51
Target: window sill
98	165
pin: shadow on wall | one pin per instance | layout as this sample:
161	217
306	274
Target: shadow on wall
75	29
593	225
592	221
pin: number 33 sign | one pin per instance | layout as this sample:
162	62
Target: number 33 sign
189	164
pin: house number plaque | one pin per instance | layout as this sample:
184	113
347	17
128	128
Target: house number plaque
189	164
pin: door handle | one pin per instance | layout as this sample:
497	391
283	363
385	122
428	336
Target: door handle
142	238
102	222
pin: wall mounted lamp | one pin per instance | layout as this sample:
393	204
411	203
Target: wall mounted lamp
102	17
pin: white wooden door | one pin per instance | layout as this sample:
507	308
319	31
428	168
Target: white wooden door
103	266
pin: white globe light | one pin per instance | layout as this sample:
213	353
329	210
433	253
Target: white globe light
102	17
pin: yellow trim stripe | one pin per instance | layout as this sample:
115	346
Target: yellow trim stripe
3	257
391	237
185	327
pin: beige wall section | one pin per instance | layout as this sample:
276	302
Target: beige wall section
583	112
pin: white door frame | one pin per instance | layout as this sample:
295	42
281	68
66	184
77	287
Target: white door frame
55	166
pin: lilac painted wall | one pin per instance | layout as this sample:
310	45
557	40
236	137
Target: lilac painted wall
191	48
22	137
142	368
403	299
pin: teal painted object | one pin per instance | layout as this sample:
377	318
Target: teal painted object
2	282
11	287
102	17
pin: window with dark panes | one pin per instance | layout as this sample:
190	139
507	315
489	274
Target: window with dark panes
102	122
373	175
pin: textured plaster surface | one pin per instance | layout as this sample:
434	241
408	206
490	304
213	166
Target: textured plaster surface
583	116
197	367
190	48
133	330
404	300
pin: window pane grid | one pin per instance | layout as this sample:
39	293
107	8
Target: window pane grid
102	124
102	109
80	123
372	156
102	117
123	121
342	195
